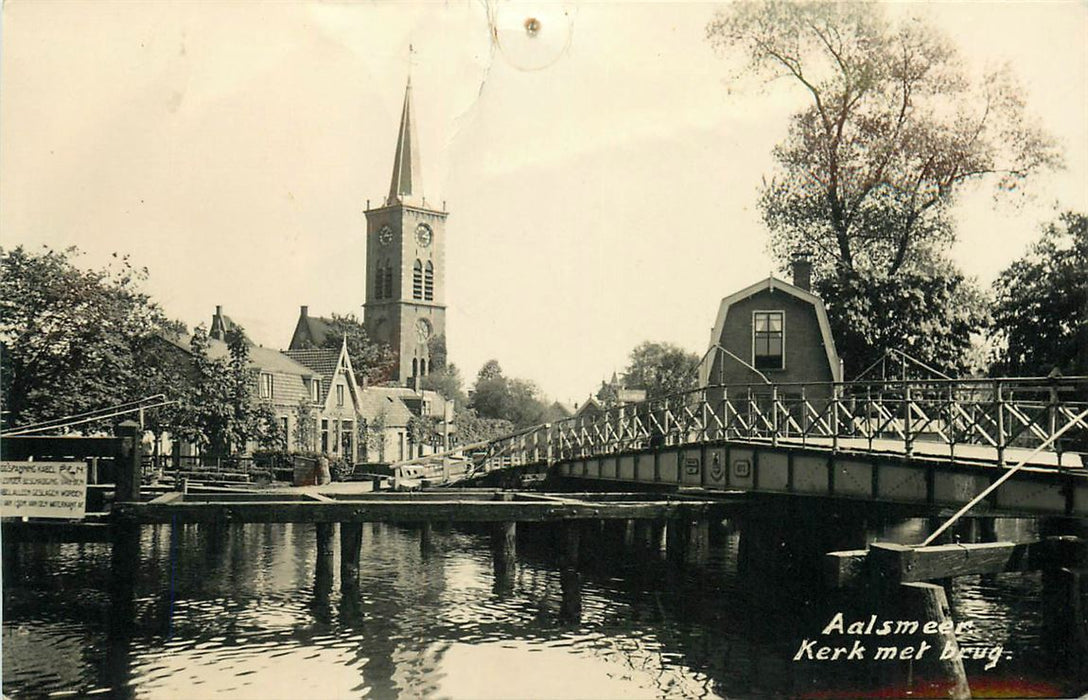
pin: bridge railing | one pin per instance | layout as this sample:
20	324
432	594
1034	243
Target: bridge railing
935	416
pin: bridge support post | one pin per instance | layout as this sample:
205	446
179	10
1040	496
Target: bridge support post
1065	580
676	540
124	563
128	462
928	602
569	578
504	555
351	544
323	568
426	539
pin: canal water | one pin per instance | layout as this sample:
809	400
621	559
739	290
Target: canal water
249	611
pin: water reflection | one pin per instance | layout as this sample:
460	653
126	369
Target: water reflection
619	609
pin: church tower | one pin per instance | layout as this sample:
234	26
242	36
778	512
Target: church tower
405	262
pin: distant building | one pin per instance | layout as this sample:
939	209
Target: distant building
772	332
388	413
612	393
310	331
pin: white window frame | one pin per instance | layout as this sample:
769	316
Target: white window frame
315	390
339	394
782	314
268	385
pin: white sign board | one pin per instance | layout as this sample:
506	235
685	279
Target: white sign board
43	489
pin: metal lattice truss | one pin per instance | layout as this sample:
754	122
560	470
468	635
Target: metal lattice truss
984	419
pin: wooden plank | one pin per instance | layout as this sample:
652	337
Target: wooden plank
168	497
844	569
400	511
897	563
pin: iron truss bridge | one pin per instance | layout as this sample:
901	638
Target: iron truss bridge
929	442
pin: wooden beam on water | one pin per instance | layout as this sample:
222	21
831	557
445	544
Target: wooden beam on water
396	510
897	563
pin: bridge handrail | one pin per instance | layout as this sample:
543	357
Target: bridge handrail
1001	412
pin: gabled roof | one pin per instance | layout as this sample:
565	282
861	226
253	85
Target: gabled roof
376	400
310	331
323	361
773	284
590	402
265	359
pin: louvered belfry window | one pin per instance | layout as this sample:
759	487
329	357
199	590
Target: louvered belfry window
428	282
388	280
417	280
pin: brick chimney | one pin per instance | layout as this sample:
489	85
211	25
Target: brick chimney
801	265
305	311
219	328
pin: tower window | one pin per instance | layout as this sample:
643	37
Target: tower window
768	340
388	280
415	367
422	368
428	281
417	280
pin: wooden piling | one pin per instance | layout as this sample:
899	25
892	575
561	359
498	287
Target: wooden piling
1065	575
127	462
351	544
124	564
927	602
570	580
426	539
677	537
504	556
323	567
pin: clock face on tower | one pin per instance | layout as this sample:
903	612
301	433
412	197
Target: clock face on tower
385	235
423	330
424	236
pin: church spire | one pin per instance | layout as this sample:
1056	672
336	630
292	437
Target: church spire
406	181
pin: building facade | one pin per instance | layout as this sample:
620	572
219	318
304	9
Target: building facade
405	262
772	332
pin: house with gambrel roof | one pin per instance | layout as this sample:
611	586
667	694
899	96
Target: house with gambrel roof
773	332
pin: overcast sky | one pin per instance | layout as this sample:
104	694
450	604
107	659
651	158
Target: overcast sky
601	177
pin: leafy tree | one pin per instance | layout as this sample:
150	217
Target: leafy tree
1041	314
446	380
931	316
369	358
894	128
661	369
490	370
304	435
372	436
436	350
219	412
69	337
472	428
497	396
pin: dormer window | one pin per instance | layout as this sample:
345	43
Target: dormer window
315	389
768	340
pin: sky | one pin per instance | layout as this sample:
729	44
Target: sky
601	176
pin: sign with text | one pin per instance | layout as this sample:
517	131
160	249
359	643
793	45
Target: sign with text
43	489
